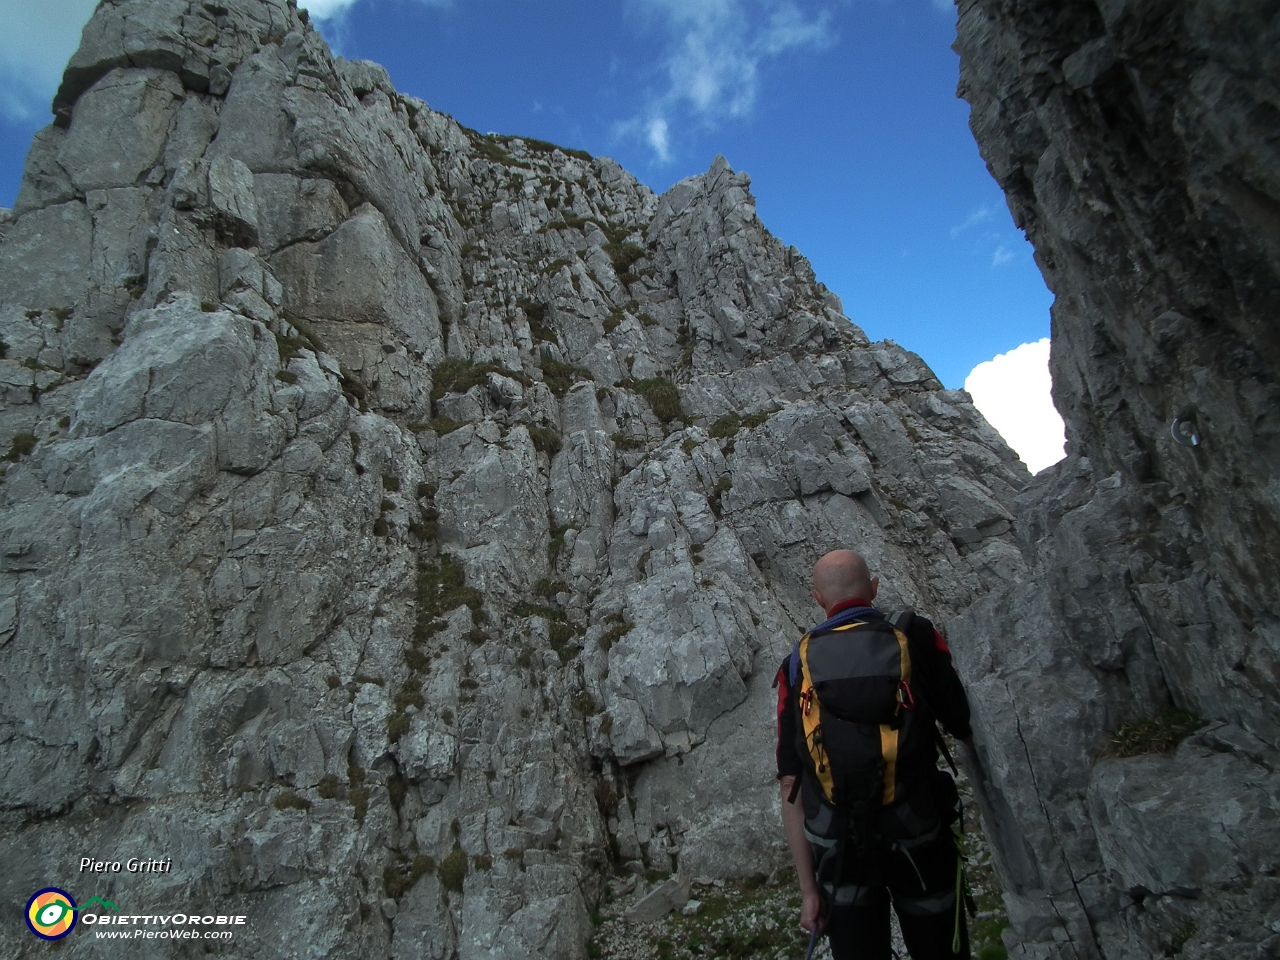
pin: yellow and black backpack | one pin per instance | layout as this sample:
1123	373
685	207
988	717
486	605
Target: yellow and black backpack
865	740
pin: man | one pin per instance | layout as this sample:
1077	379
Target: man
896	843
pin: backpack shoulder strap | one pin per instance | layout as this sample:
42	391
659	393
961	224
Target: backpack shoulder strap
794	664
903	620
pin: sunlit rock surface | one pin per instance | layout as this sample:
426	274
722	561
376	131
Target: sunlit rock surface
401	527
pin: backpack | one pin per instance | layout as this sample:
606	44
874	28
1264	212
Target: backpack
865	742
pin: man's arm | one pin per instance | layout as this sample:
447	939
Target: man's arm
801	856
937	679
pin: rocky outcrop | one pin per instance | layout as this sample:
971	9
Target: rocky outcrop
401	526
1136	145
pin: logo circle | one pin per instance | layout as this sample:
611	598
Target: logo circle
51	913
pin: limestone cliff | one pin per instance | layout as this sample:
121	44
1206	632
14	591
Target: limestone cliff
1136	143
401	526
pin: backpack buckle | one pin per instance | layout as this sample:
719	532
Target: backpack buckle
806	701
906	698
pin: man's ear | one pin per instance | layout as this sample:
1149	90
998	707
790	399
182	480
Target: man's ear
875	587
817	598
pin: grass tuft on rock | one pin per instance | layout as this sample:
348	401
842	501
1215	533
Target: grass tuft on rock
1159	734
453	870
289	800
614	634
441	587
399	878
20	446
558	376
663	397
545	440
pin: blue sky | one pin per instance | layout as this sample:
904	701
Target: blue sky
843	111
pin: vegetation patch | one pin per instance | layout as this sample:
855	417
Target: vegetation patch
540	146
613	321
549	588
353	390
725	427
556	544
493	152
453	870
289	800
741	919
558	376
568	221
409	695
663	397
1159	734
443	425
427	524
614	634
526	609
623	256
623	442
357	792
20	446
545	440
441	587
458	376
399	878
536	313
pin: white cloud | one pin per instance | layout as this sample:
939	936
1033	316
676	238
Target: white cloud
714	52
981	215
330	9
656	134
326	9
1012	392
37	41
1002	257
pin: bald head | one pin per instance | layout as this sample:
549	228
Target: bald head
842	575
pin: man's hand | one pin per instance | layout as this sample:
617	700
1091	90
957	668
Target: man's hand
811	911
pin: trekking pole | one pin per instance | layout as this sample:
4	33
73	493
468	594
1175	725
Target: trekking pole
813	941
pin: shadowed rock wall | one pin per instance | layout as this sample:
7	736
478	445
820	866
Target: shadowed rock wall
1137	145
401	526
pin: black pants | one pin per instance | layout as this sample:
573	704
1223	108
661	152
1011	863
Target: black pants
920	882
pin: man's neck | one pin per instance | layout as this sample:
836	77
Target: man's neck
842	605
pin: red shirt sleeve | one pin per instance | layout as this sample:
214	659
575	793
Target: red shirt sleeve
788	760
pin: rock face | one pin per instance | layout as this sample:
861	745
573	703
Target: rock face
1136	143
401	526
